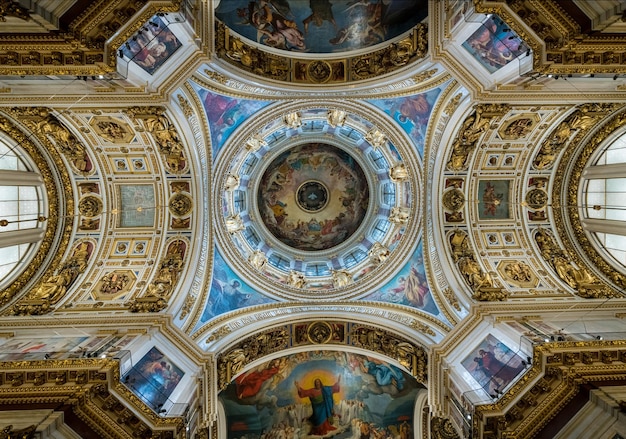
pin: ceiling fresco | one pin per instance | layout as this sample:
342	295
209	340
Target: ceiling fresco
321	26
313	196
323	222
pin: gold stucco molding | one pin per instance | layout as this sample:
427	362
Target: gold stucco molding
573	162
339	334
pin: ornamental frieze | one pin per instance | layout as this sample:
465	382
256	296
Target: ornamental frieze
406	352
280	68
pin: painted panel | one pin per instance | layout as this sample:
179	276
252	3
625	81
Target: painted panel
494	199
225	114
137	205
228	291
151	46
493	364
153	378
411	113
321	26
409	287
321	394
494	45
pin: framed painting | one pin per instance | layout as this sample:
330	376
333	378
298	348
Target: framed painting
493	199
493	364
153	378
137	205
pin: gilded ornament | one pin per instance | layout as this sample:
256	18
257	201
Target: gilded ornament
231	183
319	332
536	198
180	204
466	141
376	138
255	143
319	71
442	428
234	224
296	279
169	270
90	206
336	117
293	120
257	259
398	173
378	253
147	304
453	199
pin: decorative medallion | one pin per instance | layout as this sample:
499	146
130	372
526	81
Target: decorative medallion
180	204
90	206
330	202
453	200
536	198
319	332
319	71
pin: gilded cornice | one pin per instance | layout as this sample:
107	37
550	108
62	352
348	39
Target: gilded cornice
234	360
411	319
200	289
558	370
78	51
564	48
568	220
58	231
432	259
85	384
256	61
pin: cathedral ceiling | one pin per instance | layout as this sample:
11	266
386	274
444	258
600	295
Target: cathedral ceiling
416	203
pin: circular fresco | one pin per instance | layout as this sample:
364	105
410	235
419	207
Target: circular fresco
313	197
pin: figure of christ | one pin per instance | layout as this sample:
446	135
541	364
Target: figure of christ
321	398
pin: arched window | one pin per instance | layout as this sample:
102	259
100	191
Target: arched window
23	210
604	198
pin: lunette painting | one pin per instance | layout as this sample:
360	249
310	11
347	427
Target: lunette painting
493	364
153	378
321	26
321	394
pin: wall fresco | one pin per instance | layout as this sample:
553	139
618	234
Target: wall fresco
411	113
493	364
321	394
153	378
321	26
494	44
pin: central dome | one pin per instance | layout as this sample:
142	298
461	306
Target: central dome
313	196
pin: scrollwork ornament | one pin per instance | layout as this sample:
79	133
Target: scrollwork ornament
442	428
453	199
536	198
